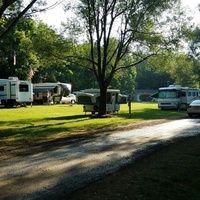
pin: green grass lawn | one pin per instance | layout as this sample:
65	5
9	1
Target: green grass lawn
19	124
172	173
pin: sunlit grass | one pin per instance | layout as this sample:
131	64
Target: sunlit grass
37	122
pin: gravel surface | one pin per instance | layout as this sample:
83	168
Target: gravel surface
53	170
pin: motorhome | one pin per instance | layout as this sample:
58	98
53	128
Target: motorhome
14	91
90	100
176	97
50	92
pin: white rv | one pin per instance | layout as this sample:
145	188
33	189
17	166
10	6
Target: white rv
14	91
90	100
176	97
50	92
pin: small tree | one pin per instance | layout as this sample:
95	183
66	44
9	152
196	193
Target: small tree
138	31
195	53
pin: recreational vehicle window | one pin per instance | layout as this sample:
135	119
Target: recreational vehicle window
183	94
23	88
167	94
1	88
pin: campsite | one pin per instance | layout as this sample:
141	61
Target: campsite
36	138
112	84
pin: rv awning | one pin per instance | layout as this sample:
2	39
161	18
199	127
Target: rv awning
66	86
43	88
155	95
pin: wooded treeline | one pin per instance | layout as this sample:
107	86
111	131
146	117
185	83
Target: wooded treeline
47	52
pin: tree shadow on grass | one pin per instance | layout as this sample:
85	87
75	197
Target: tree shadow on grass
32	129
71	117
37	129
153	114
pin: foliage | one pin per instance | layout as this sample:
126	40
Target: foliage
52	50
18	40
134	36
181	69
37	47
195	44
195	53
151	77
11	11
116	28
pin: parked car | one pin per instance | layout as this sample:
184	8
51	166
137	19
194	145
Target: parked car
71	98
194	108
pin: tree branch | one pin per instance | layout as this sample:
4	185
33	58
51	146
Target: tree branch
11	26
5	5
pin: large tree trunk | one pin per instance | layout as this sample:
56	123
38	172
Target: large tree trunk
102	101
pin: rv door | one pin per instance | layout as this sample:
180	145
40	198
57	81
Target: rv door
24	91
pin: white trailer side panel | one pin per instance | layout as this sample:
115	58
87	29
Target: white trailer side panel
24	91
4	93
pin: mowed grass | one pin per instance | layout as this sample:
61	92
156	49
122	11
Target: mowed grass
31	123
170	173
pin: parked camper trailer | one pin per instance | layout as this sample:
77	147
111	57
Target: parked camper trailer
176	97
90	100
14	91
50	92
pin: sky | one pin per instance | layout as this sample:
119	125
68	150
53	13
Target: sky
54	16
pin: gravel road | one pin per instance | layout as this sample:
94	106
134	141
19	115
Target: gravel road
54	172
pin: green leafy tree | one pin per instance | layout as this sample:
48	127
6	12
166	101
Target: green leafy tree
19	40
125	79
149	77
181	68
137	28
11	11
38	47
195	53
52	50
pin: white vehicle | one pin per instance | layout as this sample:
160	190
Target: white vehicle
70	99
50	92
90	100
176	97
14	91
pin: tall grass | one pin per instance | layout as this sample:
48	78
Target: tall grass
46	121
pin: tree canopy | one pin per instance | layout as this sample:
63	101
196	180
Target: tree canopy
124	44
116	28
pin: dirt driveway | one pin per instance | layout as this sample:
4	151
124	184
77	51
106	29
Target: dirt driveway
54	169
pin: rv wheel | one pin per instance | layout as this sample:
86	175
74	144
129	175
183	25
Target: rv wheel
9	104
96	108
73	101
190	115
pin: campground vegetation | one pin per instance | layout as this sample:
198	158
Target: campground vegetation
44	49
45	122
142	56
123	45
